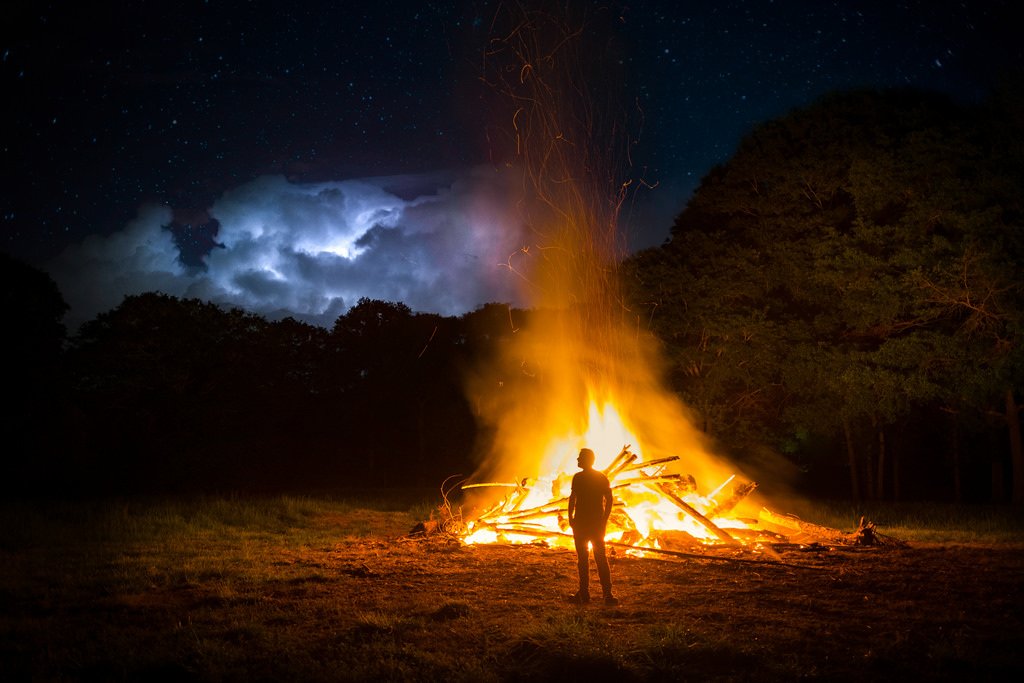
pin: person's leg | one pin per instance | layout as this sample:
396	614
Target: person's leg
603	571
582	564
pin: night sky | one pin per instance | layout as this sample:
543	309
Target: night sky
293	157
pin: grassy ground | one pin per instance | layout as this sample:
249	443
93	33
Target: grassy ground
303	589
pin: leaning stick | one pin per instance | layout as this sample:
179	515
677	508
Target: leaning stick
720	487
614	471
796	524
647	463
556	503
673	553
624	453
502	484
697	516
727	505
652	478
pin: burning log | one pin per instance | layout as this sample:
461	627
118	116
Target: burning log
500	484
758	535
491	510
617	461
727	505
648	463
692	512
721	486
814	531
631	537
520	493
663	478
539	514
522	528
629	460
519	497
639	520
552	508
673	539
687	484
619	519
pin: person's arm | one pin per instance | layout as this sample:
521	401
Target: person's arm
609	500
572	508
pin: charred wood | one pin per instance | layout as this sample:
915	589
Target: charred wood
692	512
727	505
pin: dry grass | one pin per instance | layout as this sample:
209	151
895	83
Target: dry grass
310	590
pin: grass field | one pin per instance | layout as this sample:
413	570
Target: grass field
334	588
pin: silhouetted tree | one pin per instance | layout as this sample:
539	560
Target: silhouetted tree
852	266
32	344
154	381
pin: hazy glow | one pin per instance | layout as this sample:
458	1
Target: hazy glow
588	374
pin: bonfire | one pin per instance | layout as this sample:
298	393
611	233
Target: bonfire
655	511
583	371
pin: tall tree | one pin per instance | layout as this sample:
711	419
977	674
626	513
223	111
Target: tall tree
850	246
31	347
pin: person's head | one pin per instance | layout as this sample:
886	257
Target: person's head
586	458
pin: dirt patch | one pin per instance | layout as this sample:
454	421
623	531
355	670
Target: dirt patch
431	608
931	611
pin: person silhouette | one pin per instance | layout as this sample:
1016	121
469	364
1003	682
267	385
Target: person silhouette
590	504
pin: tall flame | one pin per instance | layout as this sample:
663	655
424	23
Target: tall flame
580	372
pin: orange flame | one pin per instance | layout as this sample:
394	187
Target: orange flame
579	372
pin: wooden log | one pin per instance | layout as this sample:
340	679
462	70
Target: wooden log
624	453
505	503
493	509
550	503
542	534
510	502
648	463
721	486
519	497
522	528
620	519
727	505
618	468
673	553
631	537
498	484
815	531
644	480
674	539
534	514
697	516
759	535
687	484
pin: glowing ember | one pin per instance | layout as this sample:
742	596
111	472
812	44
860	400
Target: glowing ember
654	508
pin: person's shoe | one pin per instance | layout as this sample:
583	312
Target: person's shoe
579	598
611	600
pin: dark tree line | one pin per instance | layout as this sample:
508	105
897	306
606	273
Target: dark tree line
845	292
848	289
169	395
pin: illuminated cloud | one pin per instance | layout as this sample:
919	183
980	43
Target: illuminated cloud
434	242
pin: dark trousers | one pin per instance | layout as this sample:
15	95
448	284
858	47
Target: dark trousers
596	539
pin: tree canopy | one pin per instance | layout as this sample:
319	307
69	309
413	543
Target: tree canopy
844	291
851	271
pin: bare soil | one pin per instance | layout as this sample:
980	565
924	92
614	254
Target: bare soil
393	607
928	612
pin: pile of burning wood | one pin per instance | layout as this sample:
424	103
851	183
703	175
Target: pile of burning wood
654	511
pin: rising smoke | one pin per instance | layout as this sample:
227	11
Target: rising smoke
591	374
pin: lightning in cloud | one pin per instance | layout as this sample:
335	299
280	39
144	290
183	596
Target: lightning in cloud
434	242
